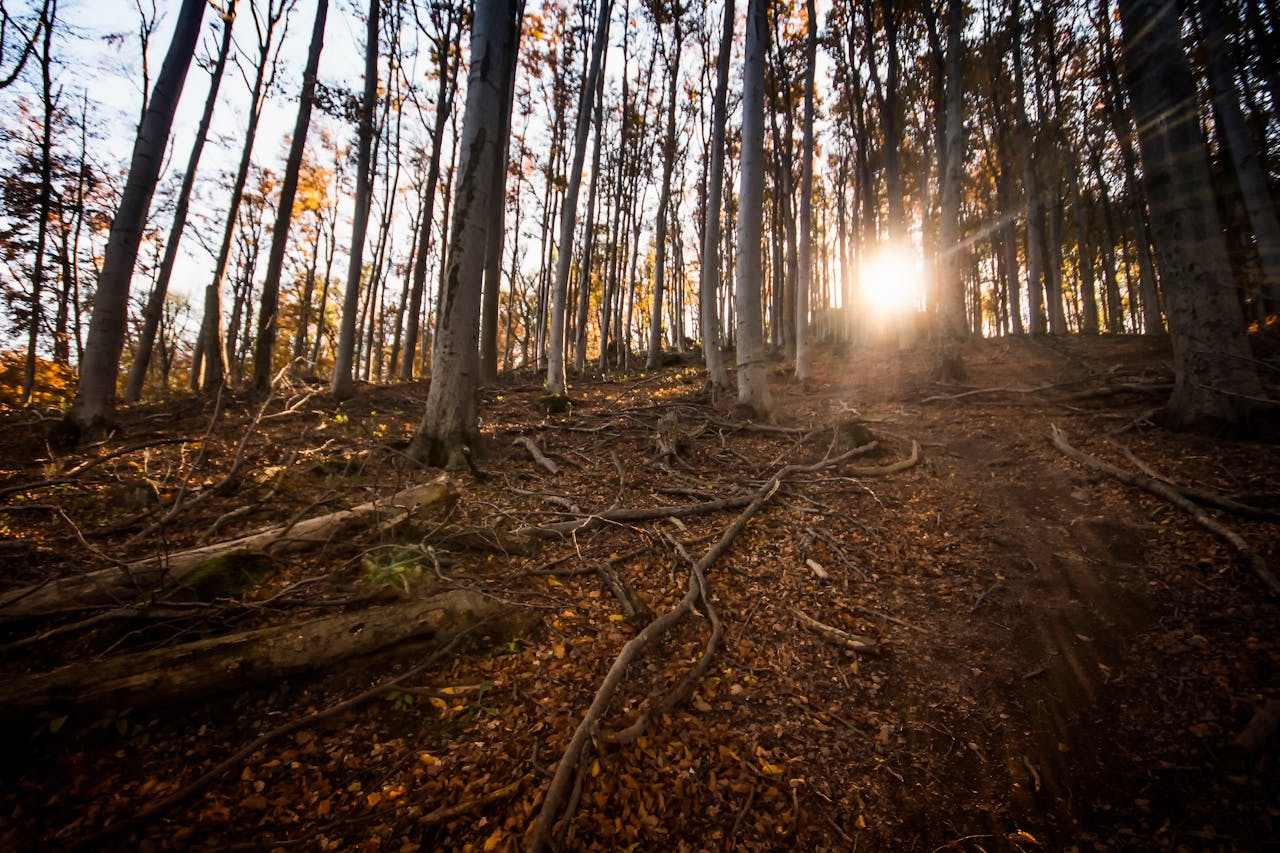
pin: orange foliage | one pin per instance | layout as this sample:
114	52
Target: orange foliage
54	387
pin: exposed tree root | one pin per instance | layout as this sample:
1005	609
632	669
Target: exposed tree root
1175	496
553	803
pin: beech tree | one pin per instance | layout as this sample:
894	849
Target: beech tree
569	209
156	302
269	306
92	411
1216	384
709	278
449	431
753	374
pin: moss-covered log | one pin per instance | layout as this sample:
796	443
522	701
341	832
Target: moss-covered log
124	583
221	664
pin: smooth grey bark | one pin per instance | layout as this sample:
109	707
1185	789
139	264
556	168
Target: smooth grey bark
804	252
1245	160
450	430
154	309
1216	384
447	88
951	310
343	385
268	310
669	149
569	209
709	279
94	405
753	377
1031	183
589	239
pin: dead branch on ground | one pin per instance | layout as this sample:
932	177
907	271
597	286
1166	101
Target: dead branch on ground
853	642
536	453
75	472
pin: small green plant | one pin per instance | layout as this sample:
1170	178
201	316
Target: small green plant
396	569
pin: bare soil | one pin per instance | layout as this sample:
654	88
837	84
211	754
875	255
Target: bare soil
1064	660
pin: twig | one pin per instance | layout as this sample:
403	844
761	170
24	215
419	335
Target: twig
1182	502
894	468
853	642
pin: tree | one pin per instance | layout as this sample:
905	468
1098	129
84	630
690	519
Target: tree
267	312
156	302
450	430
804	284
94	405
753	376
49	102
709	279
1216	384
212	355
569	209
662	12
343	384
951	315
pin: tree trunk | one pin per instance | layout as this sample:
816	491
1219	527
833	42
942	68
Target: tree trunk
1245	159
951	284
1031	184
669	150
709	278
804	272
155	302
44	202
94	405
569	210
753	375
343	384
1216	384
269	308
449	430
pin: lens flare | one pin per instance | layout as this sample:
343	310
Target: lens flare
892	281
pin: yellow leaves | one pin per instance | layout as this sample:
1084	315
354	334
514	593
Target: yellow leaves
428	759
772	769
492	842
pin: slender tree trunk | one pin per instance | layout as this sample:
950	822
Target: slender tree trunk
1031	184
669	151
569	210
449	431
269	309
1216	384
589	240
154	309
709	279
753	375
950	248
44	203
343	385
804	277
1245	159
94	405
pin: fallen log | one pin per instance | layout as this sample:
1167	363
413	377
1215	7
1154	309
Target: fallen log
122	584
222	664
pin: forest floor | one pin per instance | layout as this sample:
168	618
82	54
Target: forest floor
1062	661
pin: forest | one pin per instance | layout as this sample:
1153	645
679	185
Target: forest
640	424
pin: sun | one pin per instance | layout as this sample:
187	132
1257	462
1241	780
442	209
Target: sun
892	281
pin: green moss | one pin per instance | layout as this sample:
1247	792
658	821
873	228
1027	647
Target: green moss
851	435
555	404
225	576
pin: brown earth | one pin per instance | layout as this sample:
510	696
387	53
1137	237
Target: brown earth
1065	660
